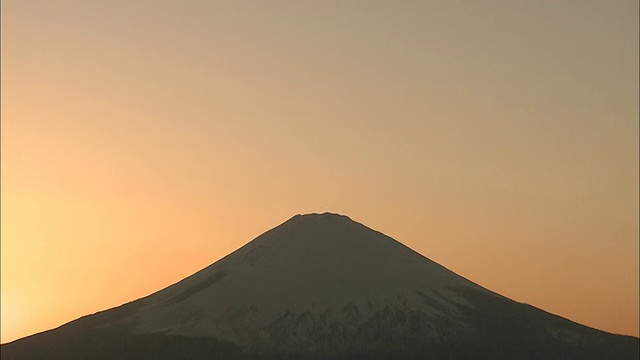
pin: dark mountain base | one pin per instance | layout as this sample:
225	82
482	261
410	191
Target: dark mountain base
505	330
103	345
109	345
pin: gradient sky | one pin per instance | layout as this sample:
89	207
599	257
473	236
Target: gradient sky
143	140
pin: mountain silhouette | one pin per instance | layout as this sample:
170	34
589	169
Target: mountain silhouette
322	286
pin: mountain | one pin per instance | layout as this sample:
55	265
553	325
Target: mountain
322	286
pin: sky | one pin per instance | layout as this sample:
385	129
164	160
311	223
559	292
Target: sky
144	140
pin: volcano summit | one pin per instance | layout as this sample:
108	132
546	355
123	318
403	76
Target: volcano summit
321	286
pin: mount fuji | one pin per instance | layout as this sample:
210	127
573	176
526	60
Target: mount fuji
322	286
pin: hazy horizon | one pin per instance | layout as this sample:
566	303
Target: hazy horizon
143	141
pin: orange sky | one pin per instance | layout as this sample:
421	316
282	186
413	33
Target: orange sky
143	140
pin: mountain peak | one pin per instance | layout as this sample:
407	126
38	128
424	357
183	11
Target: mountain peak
326	227
321	216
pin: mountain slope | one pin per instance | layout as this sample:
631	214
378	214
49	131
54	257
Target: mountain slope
324	286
